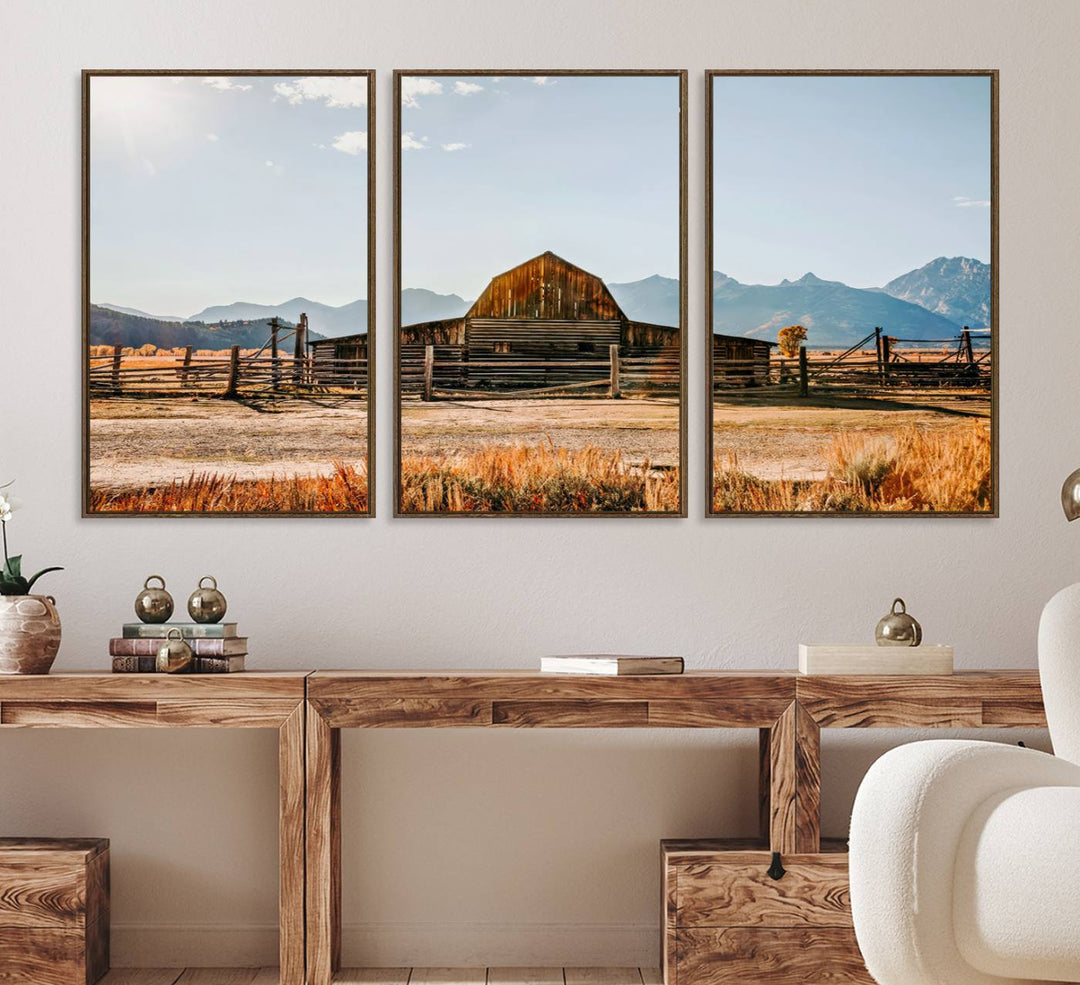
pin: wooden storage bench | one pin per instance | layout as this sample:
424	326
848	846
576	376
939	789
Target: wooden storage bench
728	919
54	910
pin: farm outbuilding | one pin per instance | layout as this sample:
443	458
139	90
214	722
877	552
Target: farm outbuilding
340	362
740	361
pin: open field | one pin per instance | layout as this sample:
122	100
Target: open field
639	430
145	444
540	455
833	453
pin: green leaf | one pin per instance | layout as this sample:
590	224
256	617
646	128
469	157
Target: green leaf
14	566
13	585
43	571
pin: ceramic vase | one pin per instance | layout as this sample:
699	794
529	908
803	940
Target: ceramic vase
29	633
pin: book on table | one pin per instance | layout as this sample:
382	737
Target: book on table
189	630
202	665
234	646
610	664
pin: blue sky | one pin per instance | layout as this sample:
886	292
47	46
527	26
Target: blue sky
857	179
496	170
211	190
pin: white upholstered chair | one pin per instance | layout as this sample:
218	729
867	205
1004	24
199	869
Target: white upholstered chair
965	855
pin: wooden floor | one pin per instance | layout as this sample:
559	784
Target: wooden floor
392	976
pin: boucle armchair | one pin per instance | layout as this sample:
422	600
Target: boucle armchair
965	855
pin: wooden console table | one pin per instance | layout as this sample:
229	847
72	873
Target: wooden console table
248	700
789	711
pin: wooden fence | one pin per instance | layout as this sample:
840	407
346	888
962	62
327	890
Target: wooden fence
876	363
231	376
435	371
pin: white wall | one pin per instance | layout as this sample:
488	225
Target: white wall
508	847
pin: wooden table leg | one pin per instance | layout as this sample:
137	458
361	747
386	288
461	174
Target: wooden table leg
323	849
792	770
291	847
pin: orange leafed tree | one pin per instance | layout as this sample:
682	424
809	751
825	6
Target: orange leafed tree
790	339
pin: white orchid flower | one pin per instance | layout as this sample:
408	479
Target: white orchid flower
8	505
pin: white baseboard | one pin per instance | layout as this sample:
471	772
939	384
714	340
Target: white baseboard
394	945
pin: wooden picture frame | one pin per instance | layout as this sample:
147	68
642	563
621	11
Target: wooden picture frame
555	266
990	386
347	493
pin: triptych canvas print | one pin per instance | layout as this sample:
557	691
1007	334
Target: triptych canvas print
539	308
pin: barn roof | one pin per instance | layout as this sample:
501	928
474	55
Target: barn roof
547	287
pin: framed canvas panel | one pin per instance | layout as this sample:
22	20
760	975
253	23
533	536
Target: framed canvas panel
540	293
228	293
852	293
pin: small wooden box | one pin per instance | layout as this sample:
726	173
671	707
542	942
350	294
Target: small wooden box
54	910
727	921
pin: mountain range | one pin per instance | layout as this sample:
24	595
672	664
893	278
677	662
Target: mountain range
931	302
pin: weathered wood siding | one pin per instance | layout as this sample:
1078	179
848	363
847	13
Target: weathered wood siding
739	361
447	331
644	335
547	287
492	339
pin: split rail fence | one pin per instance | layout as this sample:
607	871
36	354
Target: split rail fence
269	371
875	364
448	371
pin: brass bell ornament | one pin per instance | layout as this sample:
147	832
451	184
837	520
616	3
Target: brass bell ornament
174	656
898	628
154	604
207	604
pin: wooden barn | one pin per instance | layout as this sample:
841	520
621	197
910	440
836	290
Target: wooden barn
541	309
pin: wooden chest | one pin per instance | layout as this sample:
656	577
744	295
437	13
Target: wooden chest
728	920
54	911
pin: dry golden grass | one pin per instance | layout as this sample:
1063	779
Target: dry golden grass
920	471
535	479
346	491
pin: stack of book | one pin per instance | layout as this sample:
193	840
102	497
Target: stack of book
217	648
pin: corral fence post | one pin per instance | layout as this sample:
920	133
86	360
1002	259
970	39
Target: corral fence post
877	347
965	346
429	371
234	372
275	358
886	355
615	390
117	356
298	350
804	373
184	381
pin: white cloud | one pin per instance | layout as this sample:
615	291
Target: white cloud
269	164
213	138
148	166
335	92
413	86
350	142
224	84
542	80
409	141
467	88
454	146
275	169
963	202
